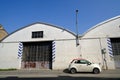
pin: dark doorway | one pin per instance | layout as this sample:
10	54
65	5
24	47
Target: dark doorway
37	55
116	51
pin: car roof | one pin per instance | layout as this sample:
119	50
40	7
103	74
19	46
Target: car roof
79	59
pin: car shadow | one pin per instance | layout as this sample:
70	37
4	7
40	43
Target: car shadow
67	71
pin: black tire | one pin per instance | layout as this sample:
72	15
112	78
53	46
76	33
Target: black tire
73	70
96	71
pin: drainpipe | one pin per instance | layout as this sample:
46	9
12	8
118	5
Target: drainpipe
77	37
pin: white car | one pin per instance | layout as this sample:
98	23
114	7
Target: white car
82	65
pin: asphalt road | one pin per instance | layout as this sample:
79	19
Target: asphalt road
57	75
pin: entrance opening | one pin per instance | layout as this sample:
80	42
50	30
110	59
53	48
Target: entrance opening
116	51
37	55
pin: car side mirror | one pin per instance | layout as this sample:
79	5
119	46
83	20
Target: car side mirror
88	63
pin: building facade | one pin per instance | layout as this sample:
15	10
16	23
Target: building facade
101	43
43	46
3	33
46	46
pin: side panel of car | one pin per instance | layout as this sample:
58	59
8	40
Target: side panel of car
84	67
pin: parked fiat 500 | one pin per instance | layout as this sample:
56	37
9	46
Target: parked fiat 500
83	65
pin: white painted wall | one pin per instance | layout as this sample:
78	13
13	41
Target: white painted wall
107	29
66	51
90	44
91	50
8	56
66	48
50	33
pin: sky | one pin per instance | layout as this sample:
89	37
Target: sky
15	14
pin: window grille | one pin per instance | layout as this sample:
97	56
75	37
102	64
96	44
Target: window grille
37	51
115	46
37	34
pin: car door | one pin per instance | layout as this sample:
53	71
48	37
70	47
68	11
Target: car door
78	65
83	66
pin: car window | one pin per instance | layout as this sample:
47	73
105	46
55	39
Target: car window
77	61
85	62
82	62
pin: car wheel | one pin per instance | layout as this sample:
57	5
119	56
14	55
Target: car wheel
73	70
96	71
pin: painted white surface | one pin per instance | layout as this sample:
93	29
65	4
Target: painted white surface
107	29
65	42
8	56
90	46
91	50
49	33
66	51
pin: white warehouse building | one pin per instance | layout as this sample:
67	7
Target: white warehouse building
45	46
101	44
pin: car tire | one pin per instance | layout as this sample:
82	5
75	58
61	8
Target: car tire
96	71
73	70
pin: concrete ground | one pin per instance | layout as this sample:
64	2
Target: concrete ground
58	75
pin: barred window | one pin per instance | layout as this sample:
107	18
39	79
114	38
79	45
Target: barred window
115	46
37	34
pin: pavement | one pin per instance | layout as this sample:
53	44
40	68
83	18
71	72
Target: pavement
58	75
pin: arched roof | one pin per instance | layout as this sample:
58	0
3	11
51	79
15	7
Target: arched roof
43	24
102	23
